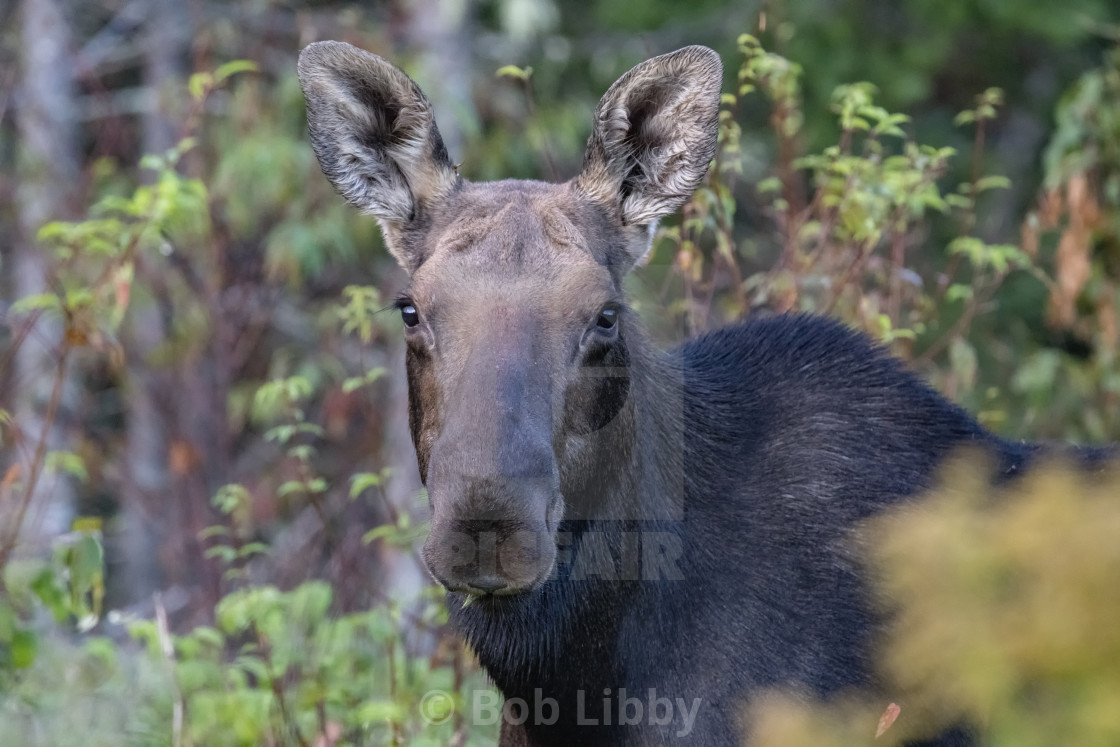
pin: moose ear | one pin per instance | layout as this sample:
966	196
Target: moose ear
374	133
654	135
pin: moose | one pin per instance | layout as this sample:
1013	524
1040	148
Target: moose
612	522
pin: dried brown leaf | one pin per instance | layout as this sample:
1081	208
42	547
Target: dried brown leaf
887	719
1072	268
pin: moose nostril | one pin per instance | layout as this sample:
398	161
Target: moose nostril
488	584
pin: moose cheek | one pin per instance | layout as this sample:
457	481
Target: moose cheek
599	392
596	399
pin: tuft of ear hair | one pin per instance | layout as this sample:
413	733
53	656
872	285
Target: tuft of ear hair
654	135
373	131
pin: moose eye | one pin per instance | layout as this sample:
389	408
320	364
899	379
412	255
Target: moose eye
607	319
410	315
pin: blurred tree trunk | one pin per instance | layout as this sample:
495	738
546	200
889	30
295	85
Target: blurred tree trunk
177	423
405	575
439	34
47	171
144	496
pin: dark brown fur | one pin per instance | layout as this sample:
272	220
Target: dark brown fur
625	519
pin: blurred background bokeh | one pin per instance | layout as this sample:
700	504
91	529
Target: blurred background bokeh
202	404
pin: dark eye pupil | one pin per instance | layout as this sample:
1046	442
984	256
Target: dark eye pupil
606	318
410	316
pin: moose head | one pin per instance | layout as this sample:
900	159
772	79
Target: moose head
521	351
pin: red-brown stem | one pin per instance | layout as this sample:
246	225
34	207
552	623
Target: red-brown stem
40	456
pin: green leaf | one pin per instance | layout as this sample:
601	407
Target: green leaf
290	487
360	303
198	85
223	552
993	182
958	292
965	117
769	184
254	667
385	530
302	452
232	68
281	434
54	231
45	586
216	530
209	636
67	462
24	646
402	534
379	712
363	481
231	498
235	574
152	163
46	301
253	548
513	71
86	561
279	397
7	621
969	245
355	382
185	145
747	42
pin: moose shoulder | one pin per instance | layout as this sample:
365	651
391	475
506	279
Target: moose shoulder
645	538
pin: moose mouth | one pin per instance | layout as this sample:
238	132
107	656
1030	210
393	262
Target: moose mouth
495	561
487	588
504	601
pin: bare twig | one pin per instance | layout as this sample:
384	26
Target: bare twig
167	648
546	149
37	462
23	331
964	321
278	693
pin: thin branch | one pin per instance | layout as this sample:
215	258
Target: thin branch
167	648
39	459
278	692
964	321
546	149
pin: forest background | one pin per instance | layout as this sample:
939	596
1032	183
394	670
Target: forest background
209	504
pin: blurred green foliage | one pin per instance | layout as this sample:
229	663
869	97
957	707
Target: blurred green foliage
1003	604
276	667
1077	228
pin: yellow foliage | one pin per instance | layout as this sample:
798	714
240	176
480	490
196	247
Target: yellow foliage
1004	608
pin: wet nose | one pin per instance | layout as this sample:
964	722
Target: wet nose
489	556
